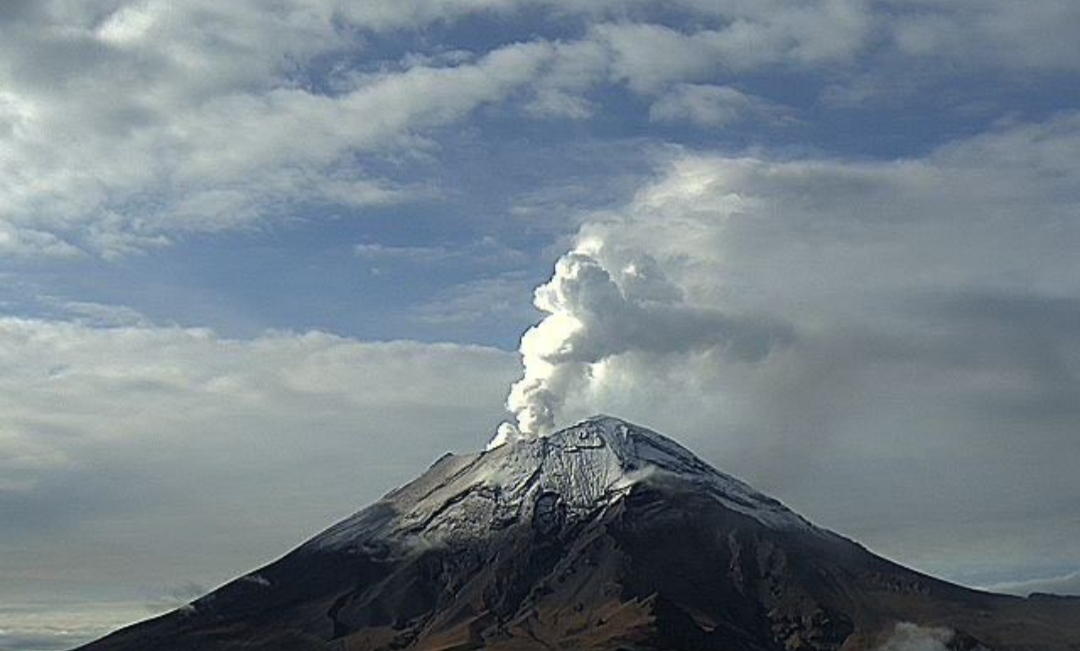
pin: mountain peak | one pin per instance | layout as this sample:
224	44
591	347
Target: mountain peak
581	468
635	447
604	535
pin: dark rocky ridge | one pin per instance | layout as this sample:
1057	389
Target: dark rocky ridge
602	536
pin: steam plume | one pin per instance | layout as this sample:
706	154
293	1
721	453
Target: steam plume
911	637
602	302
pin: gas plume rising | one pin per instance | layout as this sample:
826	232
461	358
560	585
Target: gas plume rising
602	302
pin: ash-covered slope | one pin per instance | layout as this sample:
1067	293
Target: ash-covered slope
602	536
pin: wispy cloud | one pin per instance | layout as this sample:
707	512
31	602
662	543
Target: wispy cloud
712	106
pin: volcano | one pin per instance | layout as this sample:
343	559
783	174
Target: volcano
602	536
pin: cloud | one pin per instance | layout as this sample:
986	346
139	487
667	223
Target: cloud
485	251
119	436
502	297
96	314
561	89
931	342
602	303
128	126
53	626
1064	584
17	242
977	33
710	106
650	56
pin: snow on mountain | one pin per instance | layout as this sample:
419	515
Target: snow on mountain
601	536
568	474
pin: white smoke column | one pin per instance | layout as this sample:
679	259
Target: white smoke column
603	302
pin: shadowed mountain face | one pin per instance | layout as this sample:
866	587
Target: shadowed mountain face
602	536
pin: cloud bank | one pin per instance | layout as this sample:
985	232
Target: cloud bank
913	323
116	438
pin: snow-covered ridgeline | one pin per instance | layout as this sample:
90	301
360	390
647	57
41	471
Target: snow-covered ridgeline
588	466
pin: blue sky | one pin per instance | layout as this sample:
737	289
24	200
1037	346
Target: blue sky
261	264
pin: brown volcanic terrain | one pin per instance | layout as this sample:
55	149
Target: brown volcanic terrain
602	536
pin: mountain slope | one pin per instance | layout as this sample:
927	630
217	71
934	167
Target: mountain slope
602	536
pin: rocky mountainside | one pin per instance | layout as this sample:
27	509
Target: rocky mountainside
602	536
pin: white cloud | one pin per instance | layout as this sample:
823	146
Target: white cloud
650	56
127	124
123	128
93	367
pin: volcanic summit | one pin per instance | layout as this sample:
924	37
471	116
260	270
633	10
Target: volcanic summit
601	536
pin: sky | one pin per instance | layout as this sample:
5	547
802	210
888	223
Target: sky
261	262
